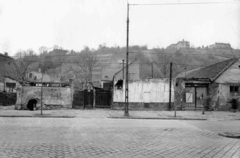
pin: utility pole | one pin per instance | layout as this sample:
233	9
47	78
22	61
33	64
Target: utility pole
152	69
41	97
123	70
170	86
126	91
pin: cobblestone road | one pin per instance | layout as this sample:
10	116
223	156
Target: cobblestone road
74	137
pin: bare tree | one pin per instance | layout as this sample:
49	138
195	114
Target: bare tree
27	58
88	62
163	62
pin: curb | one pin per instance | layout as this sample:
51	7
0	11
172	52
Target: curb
37	116
157	118
229	135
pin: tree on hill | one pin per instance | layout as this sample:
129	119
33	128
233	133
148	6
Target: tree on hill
87	63
25	60
163	61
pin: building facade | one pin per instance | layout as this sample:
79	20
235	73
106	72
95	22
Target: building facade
143	94
213	86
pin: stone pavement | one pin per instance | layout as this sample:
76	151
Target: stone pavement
118	138
108	113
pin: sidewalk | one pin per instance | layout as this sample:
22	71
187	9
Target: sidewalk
180	115
119	114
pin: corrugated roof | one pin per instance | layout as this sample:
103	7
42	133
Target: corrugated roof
211	72
8	68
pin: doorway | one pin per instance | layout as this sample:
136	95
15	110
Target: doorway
32	104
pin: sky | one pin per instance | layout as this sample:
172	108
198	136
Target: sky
73	24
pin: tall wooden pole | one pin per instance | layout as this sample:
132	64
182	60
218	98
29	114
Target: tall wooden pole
170	87
41	97
123	70
152	69
126	85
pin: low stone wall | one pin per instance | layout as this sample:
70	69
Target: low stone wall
141	106
52	97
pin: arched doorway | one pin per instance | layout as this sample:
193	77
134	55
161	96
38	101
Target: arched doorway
32	104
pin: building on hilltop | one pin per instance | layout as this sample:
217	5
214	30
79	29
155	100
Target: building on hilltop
220	46
180	44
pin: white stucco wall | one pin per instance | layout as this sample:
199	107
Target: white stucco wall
231	75
147	91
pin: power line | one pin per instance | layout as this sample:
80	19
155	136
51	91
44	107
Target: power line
190	3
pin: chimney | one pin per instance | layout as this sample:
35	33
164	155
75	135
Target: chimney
6	53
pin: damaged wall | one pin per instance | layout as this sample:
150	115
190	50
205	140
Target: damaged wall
53	97
145	93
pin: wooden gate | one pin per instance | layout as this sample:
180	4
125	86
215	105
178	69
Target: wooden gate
85	99
88	99
78	99
103	98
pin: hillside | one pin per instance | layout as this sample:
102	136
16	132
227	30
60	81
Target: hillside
62	63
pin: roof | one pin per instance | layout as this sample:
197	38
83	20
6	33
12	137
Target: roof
211	72
8	68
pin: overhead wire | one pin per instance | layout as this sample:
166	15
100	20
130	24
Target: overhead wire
181	3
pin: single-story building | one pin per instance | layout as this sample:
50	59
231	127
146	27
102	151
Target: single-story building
10	78
212	86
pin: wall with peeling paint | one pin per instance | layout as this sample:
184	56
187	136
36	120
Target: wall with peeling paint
53	97
145	91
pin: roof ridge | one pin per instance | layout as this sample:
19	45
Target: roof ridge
218	62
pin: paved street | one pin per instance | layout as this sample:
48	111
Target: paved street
104	137
108	113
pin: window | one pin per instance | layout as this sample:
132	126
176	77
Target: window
234	89
11	85
119	84
30	75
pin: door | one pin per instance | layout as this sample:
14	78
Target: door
201	96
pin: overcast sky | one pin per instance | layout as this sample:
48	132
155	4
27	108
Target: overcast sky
72	24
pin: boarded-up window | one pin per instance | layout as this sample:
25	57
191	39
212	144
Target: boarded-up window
189	97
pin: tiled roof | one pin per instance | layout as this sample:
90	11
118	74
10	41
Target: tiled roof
211	72
8	68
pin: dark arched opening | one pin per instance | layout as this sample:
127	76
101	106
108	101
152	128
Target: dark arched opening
32	104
